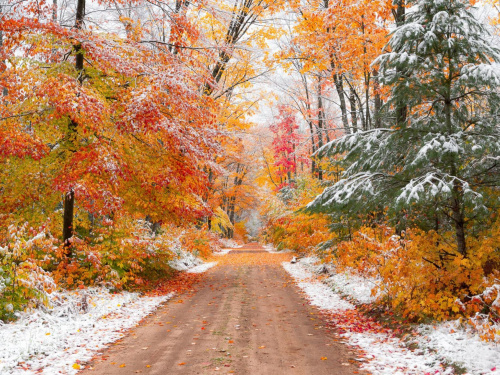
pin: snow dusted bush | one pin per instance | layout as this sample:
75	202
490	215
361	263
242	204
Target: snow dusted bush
229	243
487	321
23	282
115	255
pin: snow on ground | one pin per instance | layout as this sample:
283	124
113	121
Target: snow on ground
184	260
319	294
188	262
452	342
462	346
385	354
81	323
202	267
223	251
356	287
229	243
271	249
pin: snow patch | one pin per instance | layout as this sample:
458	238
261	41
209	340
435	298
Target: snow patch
184	261
386	355
346	283
81	323
319	294
271	249
358	288
448	341
201	268
462	346
229	244
222	252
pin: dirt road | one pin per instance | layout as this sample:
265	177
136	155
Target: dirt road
246	317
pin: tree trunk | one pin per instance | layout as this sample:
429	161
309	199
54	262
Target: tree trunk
399	12
310	123
180	5
368	117
69	198
339	85
458	219
242	19
321	123
399	17
354	115
69	205
378	101
54	10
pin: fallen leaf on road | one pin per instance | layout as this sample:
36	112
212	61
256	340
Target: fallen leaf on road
324	358
182	363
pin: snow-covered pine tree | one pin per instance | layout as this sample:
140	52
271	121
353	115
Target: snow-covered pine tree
446	152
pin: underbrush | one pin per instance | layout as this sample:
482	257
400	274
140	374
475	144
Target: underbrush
300	233
33	263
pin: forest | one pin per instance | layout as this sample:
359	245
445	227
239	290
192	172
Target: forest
135	134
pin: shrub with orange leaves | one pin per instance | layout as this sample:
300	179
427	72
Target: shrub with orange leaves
419	273
124	253
198	241
297	232
22	281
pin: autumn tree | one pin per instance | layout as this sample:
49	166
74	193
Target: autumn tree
287	146
116	125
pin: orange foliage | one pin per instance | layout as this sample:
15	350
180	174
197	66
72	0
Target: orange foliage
298	232
419	274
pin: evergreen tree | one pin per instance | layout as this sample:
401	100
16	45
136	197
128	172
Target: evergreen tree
446	151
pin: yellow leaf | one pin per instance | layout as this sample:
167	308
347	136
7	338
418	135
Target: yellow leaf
76	366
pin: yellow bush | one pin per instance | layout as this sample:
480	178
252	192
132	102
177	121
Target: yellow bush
419	274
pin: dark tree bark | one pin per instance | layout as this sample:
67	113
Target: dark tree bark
354	114
399	17
368	118
321	123
242	19
378	101
339	86
69	198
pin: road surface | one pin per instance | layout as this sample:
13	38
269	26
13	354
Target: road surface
246	317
